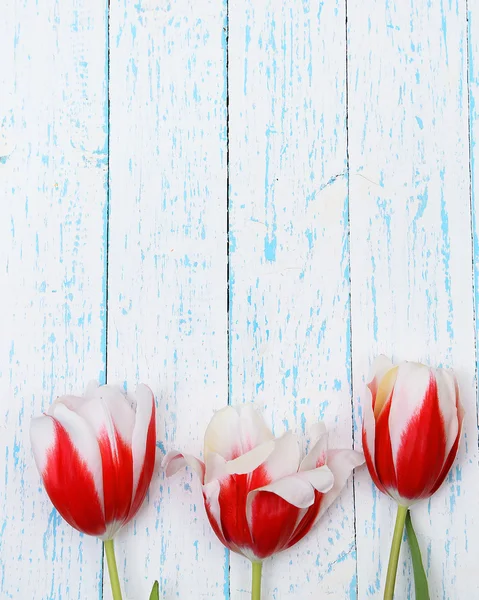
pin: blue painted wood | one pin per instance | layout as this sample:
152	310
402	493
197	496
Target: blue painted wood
53	177
412	292
167	269
400	84
289	256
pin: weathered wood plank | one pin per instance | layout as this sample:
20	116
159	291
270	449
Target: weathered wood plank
167	268
411	258
289	287
53	173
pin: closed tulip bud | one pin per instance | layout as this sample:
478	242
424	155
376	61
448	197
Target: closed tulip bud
411	429
96	456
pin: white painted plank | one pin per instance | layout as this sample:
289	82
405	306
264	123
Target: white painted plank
289	289
167	269
53	207
411	259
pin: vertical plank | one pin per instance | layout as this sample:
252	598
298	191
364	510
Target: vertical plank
167	268
53	168
473	80
411	258
289	286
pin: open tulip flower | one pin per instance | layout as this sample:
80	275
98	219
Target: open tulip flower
411	431
96	456
260	497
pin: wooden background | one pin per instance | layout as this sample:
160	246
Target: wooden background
232	201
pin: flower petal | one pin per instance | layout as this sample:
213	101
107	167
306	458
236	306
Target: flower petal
211	493
234	431
112	419
383	454
384	391
341	463
284	458
381	365
143	445
272	521
412	383
422	451
217	467
106	409
68	458
448	396
174	461
369	443
317	454
297	489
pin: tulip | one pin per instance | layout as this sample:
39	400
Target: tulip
96	456
411	433
260	498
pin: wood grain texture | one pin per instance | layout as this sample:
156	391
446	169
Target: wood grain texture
400	81
167	269
289	281
411	259
52	263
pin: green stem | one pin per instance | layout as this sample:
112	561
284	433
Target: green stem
114	580
256	587
394	556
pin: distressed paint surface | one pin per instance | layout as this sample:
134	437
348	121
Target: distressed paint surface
289	259
53	172
167	314
411	284
317	157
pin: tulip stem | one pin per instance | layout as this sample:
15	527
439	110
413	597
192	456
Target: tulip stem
256	587
112	569
394	555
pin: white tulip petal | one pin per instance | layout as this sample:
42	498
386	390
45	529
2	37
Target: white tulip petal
234	431
316	432
285	457
43	438
317	453
211	492
217	467
145	414
298	489
321	478
117	411
412	383
369	430
446	392
294	489
341	463
381	365
174	461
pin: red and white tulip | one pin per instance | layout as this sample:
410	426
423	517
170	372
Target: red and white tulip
260	497
411	429
96	456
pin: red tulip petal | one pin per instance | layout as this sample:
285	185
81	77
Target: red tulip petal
421	455
232	500
68	479
144	446
273	521
307	519
117	464
211	497
453	451
370	463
